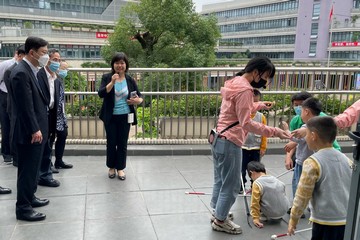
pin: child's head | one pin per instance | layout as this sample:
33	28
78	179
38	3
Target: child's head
311	107
320	132
257	95
255	169
297	99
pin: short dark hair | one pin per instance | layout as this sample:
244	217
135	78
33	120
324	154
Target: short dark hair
34	43
52	51
257	92
301	96
313	104
262	64
324	126
21	49
256	166
117	57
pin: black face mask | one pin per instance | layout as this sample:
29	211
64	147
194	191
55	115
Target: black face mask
261	84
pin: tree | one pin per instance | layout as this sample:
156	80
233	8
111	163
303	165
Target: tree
164	32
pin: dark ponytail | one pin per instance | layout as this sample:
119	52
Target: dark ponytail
262	64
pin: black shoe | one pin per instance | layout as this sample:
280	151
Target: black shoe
31	216
121	177
37	202
5	190
303	216
289	211
54	170
49	183
63	165
7	160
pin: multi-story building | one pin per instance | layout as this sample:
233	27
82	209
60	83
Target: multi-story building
288	29
78	28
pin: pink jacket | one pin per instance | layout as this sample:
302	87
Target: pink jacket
349	116
237	105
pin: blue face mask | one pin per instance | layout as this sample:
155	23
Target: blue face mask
54	66
298	110
63	73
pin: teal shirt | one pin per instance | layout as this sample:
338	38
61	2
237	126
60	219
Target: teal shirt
121	94
296	123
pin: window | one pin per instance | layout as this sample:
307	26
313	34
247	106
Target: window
314	29
316	10
312	49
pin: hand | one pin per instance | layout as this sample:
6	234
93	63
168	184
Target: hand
114	78
268	105
290	146
257	223
288	163
299	133
134	101
36	137
284	126
262	153
291	230
282	134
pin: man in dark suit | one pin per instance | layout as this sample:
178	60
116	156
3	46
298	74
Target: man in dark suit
29	126
46	77
5	131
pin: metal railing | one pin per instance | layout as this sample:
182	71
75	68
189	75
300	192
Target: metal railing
181	104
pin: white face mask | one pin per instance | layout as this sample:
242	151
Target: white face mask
43	60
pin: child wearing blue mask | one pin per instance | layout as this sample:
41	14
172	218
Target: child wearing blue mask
296	123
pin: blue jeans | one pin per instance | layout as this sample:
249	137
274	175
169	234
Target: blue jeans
296	177
227	159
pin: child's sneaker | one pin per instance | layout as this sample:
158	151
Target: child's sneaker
226	226
229	216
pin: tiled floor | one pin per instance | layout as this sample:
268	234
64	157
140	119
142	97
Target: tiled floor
150	204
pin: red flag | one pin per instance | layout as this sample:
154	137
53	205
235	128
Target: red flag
331	13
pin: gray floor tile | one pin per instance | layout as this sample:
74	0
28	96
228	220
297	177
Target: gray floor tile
172	201
199	179
64	209
156	165
68	186
115	205
158	181
6	232
193	163
129	228
54	231
103	184
7	213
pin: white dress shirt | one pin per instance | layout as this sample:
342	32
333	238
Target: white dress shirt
51	82
3	67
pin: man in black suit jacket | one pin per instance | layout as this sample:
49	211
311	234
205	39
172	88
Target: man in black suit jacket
46	77
29	126
7	104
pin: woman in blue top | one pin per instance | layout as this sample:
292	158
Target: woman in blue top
121	94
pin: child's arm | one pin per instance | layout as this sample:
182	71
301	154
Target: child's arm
263	144
255	205
310	174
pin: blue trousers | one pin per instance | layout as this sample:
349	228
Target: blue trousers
227	159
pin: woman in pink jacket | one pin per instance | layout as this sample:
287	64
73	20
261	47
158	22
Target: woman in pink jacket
237	105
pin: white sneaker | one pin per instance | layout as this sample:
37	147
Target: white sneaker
230	216
226	226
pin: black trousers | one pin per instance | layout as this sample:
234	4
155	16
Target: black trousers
45	172
326	232
28	168
117	134
248	156
59	143
5	126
